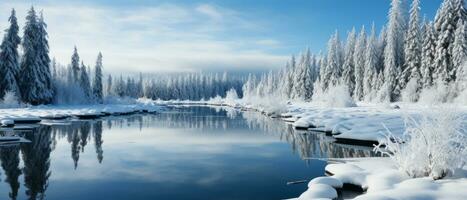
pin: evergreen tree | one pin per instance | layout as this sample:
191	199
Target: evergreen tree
44	60
359	60
371	62
9	58
290	77
322	69
84	83
35	81
394	50
412	48
109	85
446	20
75	65
97	90
298	91
348	76
459	54
334	60
428	55
460	58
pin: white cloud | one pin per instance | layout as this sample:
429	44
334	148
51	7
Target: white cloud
166	37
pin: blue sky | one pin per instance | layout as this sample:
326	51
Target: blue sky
195	35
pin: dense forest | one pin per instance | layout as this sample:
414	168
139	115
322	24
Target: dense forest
409	60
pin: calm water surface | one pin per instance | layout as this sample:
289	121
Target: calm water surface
184	153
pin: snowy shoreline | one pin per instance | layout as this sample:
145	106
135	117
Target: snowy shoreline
365	123
36	114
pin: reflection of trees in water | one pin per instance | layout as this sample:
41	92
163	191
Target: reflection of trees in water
36	158
203	118
307	144
85	131
9	155
78	133
97	135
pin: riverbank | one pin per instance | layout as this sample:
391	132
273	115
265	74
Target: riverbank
363	124
36	114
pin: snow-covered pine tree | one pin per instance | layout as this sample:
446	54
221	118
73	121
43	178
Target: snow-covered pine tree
359	60
84	83
290	76
97	88
459	53
322	69
308	75
284	79
34	82
348	76
75	65
109	85
394	50
9	58
412	50
460	58
446	20
54	68
298	91
428	55
371	62
381	46
335	60
42	48
140	87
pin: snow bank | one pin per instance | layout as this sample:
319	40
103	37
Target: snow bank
381	179
62	111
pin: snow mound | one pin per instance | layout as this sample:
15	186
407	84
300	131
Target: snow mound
319	191
333	182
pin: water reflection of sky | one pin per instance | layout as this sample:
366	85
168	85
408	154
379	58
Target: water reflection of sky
199	153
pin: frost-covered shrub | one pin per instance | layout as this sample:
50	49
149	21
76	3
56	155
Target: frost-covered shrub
438	93
10	100
434	145
334	96
411	91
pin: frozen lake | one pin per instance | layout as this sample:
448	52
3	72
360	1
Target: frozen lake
185	153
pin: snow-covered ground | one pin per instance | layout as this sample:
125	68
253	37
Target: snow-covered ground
381	179
63	111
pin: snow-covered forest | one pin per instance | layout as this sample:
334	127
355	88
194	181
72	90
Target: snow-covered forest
411	59
32	77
